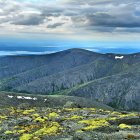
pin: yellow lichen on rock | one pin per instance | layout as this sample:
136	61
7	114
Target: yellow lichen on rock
35	115
107	111
128	115
3	117
26	137
124	126
70	109
53	115
26	112
8	132
116	113
28	128
75	117
21	131
91	127
36	138
52	129
41	119
112	118
94	124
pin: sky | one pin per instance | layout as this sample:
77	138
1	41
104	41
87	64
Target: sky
47	26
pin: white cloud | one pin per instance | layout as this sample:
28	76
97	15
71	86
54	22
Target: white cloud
98	18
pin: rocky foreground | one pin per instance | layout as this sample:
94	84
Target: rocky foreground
42	123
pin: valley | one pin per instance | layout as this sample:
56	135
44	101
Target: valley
112	79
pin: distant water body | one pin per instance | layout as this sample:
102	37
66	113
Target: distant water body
47	50
28	46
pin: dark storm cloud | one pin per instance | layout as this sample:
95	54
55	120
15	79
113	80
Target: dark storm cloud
51	11
107	20
108	15
28	19
55	25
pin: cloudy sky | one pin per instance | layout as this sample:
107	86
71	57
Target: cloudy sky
98	25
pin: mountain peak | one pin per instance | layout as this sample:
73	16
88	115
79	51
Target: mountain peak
80	50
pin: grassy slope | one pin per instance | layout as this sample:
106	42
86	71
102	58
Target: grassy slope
51	100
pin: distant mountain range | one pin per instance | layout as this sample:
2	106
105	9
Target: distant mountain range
113	79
